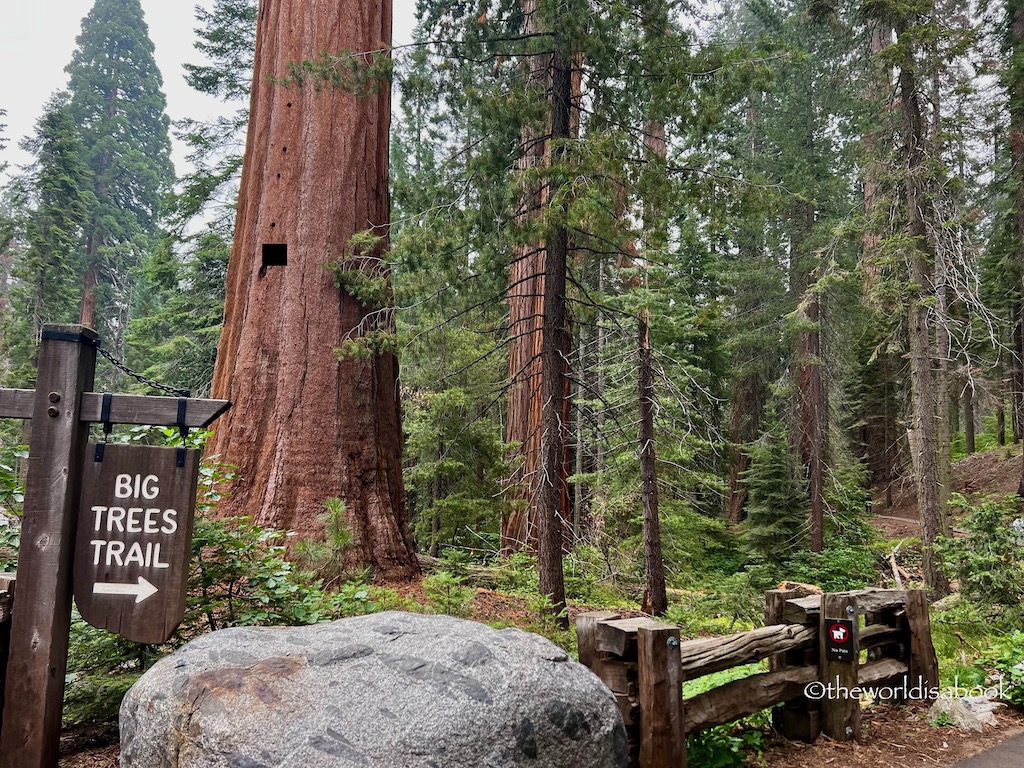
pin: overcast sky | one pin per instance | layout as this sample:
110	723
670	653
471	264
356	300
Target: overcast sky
37	38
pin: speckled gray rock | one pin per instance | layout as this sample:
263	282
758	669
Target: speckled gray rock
390	690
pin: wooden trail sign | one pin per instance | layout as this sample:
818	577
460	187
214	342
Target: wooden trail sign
134	539
61	408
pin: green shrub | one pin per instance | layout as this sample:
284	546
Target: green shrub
326	559
447	594
836	569
1006	659
989	561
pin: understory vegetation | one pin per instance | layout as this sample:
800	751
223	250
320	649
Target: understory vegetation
661	304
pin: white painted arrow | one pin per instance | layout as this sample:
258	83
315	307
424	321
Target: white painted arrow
142	590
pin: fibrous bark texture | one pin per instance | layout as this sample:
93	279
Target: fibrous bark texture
306	427
929	437
526	300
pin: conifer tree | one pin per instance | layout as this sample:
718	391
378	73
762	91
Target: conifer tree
48	271
119	107
776	521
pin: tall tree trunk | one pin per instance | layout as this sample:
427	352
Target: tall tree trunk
813	417
526	299
655	594
969	436
1015	73
655	21
90	281
305	426
748	392
552	506
880	424
928	410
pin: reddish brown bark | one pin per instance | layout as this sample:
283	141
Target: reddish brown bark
304	426
90	280
526	300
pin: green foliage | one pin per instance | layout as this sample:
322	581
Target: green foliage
1006	659
735	605
368	290
118	104
727	746
776	511
359	73
448	594
48	272
368	345
836	569
102	667
989	561
326	558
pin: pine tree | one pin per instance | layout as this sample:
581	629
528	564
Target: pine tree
119	107
776	522
48	271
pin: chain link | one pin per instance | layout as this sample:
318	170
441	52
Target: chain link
119	365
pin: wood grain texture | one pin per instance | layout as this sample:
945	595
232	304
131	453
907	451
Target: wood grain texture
744	697
798	719
840	713
124	409
620	636
153	619
42	614
586	637
805	610
662	738
707	655
922	662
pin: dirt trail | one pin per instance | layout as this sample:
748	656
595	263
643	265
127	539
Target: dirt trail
994	473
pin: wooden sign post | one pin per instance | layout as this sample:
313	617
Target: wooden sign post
61	408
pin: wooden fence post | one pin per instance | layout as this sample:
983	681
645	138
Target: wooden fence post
7	585
42	612
840	708
659	673
798	719
922	663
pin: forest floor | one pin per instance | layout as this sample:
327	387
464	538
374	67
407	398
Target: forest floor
893	736
993	473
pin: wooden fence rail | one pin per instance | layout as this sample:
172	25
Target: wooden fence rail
644	663
7	582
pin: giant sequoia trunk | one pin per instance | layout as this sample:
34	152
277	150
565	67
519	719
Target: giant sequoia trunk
306	427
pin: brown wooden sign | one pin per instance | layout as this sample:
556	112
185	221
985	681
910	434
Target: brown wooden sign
135	538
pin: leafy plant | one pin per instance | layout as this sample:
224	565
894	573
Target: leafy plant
447	593
1006	658
989	561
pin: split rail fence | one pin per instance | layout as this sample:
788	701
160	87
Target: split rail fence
644	663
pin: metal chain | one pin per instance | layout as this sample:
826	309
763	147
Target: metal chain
139	377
